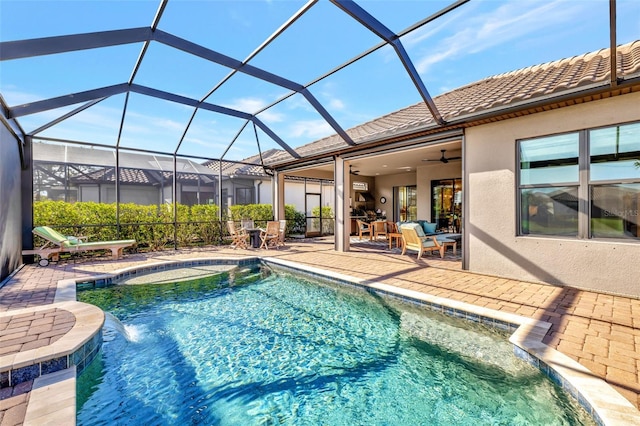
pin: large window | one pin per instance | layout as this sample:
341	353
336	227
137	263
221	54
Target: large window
599	166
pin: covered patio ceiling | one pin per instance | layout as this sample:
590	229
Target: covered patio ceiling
172	78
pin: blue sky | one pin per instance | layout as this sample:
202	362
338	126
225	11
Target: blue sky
477	40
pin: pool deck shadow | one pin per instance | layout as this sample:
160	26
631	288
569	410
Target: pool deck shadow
600	333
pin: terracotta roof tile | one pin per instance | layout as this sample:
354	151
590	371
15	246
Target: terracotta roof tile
492	92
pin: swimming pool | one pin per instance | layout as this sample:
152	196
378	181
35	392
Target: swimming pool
253	346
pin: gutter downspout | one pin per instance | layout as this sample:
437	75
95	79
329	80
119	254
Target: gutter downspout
258	191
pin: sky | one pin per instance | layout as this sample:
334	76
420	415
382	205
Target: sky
479	39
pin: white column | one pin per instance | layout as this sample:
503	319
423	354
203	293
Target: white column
277	183
343	213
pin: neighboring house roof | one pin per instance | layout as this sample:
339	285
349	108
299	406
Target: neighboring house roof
140	168
139	176
490	94
251	166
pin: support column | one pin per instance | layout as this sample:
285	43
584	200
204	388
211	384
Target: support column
26	193
277	185
343	215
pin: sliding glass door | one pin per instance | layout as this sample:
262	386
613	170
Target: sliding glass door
405	203
446	203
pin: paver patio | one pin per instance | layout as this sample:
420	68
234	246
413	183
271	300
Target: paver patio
600	331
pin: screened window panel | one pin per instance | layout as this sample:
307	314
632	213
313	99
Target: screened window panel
615	152
549	160
614	211
549	211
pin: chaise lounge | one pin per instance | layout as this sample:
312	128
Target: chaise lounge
57	243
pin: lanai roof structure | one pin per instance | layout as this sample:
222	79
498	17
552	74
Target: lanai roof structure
256	78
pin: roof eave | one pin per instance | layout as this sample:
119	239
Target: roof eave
497	113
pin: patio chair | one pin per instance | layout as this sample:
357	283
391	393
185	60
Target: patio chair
393	233
364	228
270	236
414	238
240	237
57	243
379	228
283	231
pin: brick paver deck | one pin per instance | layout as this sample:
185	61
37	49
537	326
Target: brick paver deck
600	331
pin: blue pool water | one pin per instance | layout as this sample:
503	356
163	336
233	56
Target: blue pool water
262	348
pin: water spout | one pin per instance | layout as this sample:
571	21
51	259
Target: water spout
112	327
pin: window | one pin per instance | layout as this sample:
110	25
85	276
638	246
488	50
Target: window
599	166
244	195
549	178
615	181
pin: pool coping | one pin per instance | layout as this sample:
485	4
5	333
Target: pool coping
605	405
88	322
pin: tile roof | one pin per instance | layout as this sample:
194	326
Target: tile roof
527	84
251	166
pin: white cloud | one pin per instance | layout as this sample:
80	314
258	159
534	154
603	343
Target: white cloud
336	103
16	97
311	128
252	105
481	31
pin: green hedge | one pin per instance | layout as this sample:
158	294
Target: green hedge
152	226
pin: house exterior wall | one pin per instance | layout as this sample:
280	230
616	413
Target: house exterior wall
137	194
264	193
10	205
491	225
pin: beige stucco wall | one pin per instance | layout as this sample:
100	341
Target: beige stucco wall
495	249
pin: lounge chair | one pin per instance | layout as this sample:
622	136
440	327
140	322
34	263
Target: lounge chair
240	237
414	238
57	243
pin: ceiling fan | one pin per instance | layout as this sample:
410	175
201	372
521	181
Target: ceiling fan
444	159
353	172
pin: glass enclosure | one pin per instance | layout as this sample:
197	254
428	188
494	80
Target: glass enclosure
159	200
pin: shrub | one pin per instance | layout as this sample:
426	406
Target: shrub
151	226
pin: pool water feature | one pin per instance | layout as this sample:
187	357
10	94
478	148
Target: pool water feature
251	346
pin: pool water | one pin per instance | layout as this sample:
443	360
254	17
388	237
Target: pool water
256	347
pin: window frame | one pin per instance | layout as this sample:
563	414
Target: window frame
584	185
